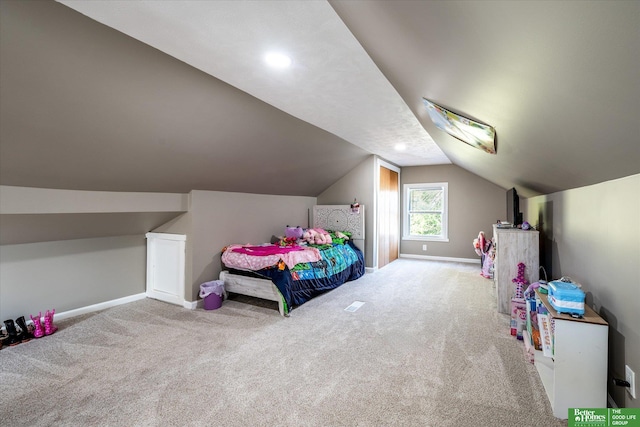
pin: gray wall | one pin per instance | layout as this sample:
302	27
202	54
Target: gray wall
70	274
99	251
474	205
358	184
115	114
592	235
217	219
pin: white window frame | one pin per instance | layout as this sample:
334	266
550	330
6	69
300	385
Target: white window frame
444	186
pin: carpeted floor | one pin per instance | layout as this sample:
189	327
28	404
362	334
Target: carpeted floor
426	349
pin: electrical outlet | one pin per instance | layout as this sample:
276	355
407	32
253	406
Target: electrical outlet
424	247
630	377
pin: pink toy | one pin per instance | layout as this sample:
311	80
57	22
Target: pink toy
38	332
481	245
317	236
293	232
520	281
518	316
49	327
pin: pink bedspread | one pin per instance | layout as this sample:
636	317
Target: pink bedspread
247	257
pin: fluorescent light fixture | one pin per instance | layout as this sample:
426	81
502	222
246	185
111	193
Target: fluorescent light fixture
476	134
277	60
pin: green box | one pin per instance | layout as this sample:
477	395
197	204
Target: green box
603	417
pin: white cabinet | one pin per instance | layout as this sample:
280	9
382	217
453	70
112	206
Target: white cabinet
166	267
514	246
576	376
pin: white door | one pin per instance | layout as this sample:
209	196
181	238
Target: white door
166	267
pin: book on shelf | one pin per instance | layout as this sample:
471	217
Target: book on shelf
546	337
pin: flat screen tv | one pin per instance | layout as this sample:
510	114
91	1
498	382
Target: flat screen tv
513	207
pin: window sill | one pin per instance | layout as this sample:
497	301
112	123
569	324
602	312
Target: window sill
425	239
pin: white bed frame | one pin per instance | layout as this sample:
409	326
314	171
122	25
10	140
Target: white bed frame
328	217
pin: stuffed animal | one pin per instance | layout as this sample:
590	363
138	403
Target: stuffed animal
309	236
322	237
293	232
288	241
480	244
341	235
316	236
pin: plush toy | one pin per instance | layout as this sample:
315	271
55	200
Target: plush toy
288	241
316	236
293	232
341	235
481	245
322	237
309	236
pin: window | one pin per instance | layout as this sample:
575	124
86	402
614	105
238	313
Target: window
425	212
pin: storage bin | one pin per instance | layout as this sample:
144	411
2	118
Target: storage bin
566	297
212	294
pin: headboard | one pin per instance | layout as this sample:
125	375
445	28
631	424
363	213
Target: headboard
340	218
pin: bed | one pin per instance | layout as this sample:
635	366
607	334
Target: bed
293	277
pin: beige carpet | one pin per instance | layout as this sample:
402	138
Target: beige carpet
427	349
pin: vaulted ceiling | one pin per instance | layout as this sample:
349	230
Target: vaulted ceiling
172	96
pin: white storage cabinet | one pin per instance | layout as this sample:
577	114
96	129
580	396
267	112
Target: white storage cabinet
576	376
166	267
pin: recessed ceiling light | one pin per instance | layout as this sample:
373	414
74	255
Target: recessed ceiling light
400	147
277	60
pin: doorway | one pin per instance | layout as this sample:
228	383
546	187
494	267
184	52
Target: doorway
388	214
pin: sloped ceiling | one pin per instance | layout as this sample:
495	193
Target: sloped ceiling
86	107
332	83
559	80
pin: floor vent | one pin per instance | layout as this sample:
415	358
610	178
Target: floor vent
354	306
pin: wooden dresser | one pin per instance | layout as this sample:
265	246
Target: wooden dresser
514	246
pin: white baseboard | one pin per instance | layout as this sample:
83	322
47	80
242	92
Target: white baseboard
370	269
97	307
192	305
442	258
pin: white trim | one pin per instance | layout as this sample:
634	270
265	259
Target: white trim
441	258
370	269
192	305
445	214
426	239
376	188
387	165
167	236
374	212
97	307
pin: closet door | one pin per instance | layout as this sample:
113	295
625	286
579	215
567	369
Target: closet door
166	267
388	217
